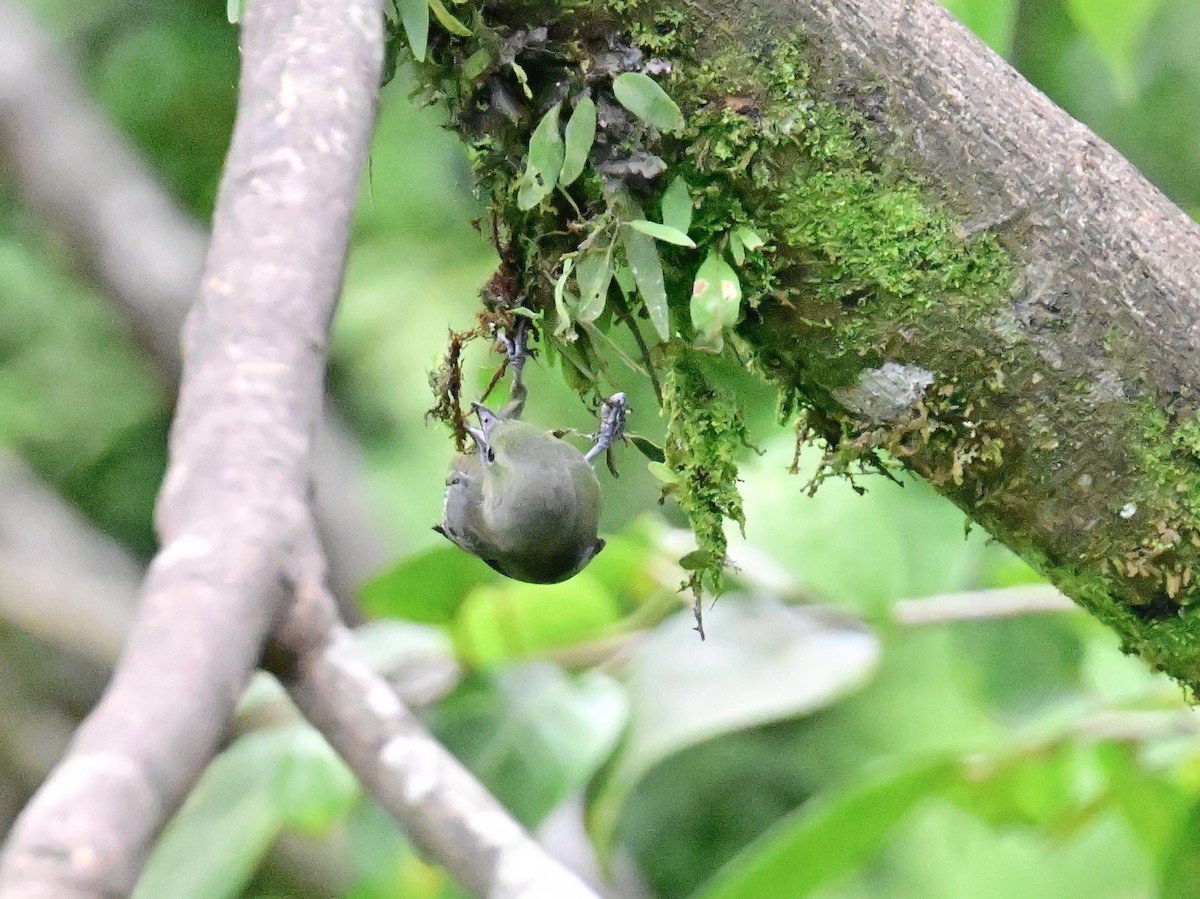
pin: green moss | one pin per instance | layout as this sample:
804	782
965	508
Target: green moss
863	266
759	151
705	432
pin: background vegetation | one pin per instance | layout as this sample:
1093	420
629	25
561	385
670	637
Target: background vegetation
821	742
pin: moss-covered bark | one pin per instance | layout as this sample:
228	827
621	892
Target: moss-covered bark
954	273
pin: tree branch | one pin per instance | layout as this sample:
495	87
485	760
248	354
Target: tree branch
234	518
236	490
61	579
82	176
957	274
1060	412
441	806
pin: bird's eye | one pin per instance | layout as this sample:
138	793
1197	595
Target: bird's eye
489	455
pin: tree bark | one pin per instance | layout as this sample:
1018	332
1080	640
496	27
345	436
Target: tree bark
235	500
957	273
1082	374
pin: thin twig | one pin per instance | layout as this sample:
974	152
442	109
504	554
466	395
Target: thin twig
977	605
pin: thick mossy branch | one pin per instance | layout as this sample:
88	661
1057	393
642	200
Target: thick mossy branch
933	282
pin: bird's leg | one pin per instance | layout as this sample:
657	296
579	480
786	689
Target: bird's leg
612	425
518	351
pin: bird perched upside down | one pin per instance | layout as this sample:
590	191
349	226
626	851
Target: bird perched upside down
522	500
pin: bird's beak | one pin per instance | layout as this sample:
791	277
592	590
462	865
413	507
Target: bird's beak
480	438
487	418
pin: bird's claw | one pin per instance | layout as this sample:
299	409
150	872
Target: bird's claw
612	425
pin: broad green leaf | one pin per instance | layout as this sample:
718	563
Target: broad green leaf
677	206
383	863
533	734
315	788
1152	804
545	161
1039	787
216	841
593	274
716	296
427	587
762	662
414	14
451	24
665	233
643	96
646	266
829	836
1116	28
514	620
581	132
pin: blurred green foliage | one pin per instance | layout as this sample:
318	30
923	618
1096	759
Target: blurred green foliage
988	758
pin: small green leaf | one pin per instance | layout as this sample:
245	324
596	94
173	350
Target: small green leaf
581	132
716	296
696	560
477	63
448	21
624	278
647	448
414	14
560	299
523	79
677	206
593	274
642	256
738	251
665	233
545	160
234	10
664	472
643	96
749	238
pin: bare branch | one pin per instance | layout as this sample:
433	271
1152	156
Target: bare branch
236	491
80	173
440	805
60	578
979	605
75	169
